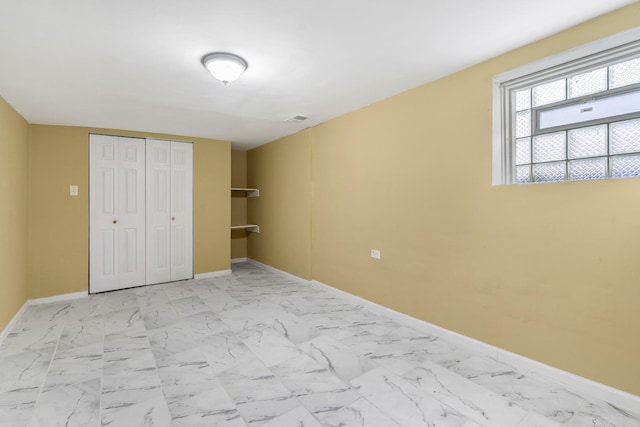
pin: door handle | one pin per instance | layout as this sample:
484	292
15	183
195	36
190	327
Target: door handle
173	218
115	221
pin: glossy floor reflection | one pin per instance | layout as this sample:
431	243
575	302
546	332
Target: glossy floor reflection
256	348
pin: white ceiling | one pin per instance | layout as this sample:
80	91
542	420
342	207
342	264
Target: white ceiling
135	65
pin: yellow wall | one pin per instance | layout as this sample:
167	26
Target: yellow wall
238	203
281	171
58	224
549	271
14	160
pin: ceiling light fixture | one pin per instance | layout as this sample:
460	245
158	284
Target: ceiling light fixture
224	66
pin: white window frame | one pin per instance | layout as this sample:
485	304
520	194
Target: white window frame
586	56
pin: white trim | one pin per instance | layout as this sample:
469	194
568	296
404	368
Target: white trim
574	54
58	298
499	173
558	65
237	260
212	274
583	385
429	328
277	271
13	322
38	301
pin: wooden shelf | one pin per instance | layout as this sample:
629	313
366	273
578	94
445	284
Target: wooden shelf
249	227
249	192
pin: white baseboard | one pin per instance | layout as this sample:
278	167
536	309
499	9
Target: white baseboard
281	272
580	384
58	298
212	274
237	260
38	301
13	322
588	387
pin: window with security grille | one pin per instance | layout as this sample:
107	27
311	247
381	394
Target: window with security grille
578	120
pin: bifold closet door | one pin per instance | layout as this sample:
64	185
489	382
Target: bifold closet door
116	212
169	211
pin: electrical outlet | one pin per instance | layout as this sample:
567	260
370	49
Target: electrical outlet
375	253
73	190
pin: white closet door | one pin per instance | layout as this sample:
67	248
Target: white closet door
181	210
116	213
103	165
158	211
131	216
169	211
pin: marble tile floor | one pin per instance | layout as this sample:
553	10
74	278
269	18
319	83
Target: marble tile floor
256	348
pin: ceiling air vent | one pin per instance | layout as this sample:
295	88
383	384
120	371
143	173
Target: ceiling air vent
295	119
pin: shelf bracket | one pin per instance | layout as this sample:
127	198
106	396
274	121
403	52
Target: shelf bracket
249	192
252	228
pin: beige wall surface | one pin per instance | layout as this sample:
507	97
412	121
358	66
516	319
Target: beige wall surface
14	162
59	223
549	271
281	171
238	203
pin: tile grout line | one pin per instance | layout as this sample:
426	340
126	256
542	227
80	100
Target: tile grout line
46	376
104	338
282	295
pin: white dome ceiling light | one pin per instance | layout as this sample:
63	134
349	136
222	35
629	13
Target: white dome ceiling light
224	66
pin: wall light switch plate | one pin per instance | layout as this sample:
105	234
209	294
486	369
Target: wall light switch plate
73	190
375	253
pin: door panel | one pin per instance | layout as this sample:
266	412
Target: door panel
116	213
162	251
108	253
103	165
108	191
141	214
131	213
181	210
158	211
131	250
